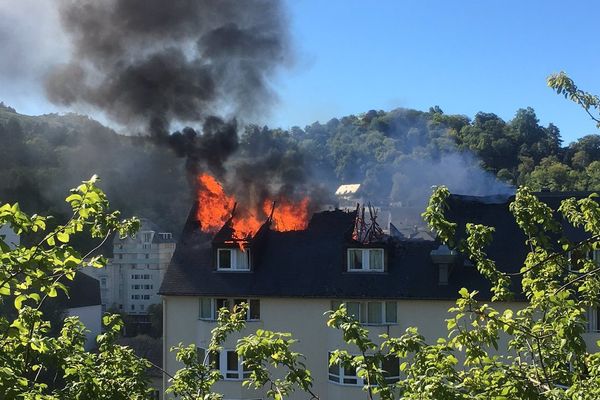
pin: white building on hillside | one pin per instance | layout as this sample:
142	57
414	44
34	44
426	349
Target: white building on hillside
130	282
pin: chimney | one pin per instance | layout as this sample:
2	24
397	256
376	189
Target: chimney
443	258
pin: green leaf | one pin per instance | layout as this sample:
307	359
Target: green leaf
19	301
63	237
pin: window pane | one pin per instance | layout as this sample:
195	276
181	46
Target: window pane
350	375
376	259
242	258
232	361
334	370
390	312
354	259
220	303
237	302
374	312
205	308
224	258
255	309
214	360
245	371
201	355
391	368
353	309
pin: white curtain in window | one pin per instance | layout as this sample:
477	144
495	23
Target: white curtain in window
376	259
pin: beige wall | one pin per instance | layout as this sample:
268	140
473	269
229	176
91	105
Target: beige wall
305	319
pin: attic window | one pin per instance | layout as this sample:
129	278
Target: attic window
360	260
233	260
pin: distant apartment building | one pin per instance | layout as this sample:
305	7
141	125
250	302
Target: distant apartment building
130	282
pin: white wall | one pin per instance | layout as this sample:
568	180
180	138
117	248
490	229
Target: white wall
11	238
91	317
305	319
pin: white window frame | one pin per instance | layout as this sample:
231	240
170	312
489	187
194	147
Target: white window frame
234	259
366	267
339	379
593	255
231	301
363	310
229	375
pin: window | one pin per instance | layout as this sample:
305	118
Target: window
103	282
365	260
341	374
593	319
346	375
227	362
213	360
371	312
146	246
120	256
233	259
391	369
146	297
209	307
147	256
133	307
147	236
142	306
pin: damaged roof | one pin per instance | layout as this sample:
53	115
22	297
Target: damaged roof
313	262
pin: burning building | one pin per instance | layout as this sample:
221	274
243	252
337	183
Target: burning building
291	277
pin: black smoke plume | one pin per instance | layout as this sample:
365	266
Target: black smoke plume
156	64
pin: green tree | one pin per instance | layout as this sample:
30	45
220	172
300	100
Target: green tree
33	363
562	84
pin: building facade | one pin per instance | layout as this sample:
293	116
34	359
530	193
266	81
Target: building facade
129	283
291	279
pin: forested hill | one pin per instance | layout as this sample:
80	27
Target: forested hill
397	155
42	157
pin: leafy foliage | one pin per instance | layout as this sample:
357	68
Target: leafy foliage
34	363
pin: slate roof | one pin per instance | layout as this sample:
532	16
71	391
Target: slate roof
312	263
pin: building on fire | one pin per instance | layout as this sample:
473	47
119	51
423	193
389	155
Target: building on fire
291	279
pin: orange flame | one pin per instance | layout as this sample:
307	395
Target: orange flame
288	216
215	208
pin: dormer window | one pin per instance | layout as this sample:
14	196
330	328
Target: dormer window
233	260
361	260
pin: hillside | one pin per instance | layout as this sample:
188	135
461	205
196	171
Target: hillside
397	155
43	156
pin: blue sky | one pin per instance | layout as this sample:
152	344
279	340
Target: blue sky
352	56
465	56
